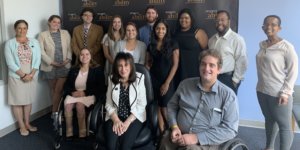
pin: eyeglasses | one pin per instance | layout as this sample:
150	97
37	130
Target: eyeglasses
87	15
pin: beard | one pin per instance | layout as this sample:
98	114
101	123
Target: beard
222	31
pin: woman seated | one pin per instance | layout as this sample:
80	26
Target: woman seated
125	103
85	83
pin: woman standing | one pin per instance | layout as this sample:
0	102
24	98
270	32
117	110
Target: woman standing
23	59
131	45
191	41
115	33
125	103
85	84
277	70
56	58
163	53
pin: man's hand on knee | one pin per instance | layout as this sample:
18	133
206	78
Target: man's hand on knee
190	139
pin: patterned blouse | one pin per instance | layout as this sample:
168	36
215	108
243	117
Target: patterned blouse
24	53
124	106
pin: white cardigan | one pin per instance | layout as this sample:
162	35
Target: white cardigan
137	98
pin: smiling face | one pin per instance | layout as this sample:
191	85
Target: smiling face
222	23
21	30
117	24
271	26
209	69
185	21
160	30
85	57
54	24
151	15
131	32
124	69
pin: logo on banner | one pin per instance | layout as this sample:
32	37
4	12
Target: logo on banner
89	3
136	16
195	1
74	17
104	17
121	3
156	2
211	14
171	15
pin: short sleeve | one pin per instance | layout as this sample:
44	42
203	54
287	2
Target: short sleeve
105	40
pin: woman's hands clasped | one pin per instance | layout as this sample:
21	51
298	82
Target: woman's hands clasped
120	127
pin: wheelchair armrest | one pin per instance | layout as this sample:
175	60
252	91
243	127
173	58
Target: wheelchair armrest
96	116
152	117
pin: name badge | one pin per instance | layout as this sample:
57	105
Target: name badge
218	110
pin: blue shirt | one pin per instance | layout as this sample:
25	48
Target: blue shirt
213	116
145	34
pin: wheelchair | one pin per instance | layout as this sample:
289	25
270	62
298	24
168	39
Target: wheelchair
234	144
92	115
149	132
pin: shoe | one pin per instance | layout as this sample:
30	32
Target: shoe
32	129
69	138
24	132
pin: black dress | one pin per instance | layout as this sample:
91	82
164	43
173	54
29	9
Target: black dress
162	62
189	50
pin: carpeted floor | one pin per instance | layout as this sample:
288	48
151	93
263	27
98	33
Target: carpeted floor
43	139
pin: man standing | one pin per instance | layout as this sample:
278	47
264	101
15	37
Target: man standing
145	31
89	36
232	48
203	113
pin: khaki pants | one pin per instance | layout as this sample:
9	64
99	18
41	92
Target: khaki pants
166	144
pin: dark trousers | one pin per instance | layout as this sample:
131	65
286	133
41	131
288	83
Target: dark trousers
126	140
226	78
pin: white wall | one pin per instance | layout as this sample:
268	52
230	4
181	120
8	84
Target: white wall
36	13
251	15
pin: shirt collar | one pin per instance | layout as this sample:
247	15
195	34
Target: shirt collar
214	88
87	26
226	35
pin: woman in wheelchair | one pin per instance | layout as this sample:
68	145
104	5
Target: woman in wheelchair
125	104
85	83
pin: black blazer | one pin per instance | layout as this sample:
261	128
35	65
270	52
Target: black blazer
95	84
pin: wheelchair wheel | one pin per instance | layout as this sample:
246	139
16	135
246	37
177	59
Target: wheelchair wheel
239	146
57	142
57	146
95	146
235	144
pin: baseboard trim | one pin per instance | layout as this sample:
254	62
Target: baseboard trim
252	124
34	116
260	125
12	127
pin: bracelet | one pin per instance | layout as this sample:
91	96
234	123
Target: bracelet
174	126
23	76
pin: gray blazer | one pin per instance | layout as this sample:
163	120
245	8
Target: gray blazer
139	53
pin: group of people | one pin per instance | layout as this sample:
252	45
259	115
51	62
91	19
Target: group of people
195	78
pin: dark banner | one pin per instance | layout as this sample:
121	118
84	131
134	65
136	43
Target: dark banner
133	10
